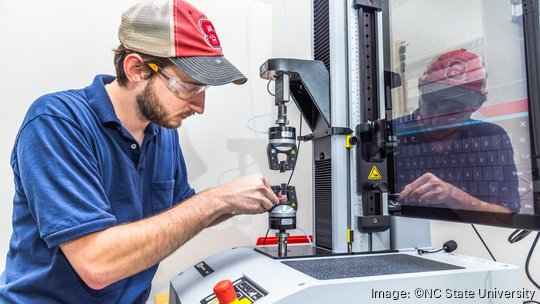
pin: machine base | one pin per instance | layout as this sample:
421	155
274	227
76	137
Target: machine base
403	277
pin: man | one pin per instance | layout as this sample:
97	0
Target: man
97	170
444	157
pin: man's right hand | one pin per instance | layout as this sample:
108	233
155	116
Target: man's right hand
247	195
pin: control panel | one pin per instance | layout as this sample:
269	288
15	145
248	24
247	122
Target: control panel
245	289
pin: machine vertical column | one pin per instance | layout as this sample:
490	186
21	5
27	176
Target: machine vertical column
371	163
329	153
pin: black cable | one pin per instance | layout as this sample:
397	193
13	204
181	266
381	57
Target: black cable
518	235
265	236
448	246
481	239
531	301
422	251
297	150
529	260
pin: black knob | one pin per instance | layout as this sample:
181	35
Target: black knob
450	246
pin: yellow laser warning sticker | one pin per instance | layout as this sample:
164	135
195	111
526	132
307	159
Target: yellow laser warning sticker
374	173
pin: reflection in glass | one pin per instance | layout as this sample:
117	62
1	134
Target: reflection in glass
461	115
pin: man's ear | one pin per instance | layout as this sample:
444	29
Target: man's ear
135	69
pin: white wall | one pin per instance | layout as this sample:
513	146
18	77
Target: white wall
53	45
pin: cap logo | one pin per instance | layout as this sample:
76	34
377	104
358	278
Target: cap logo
209	33
457	70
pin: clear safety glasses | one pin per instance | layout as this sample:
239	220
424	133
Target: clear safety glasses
181	89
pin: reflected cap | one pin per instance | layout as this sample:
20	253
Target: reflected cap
456	68
179	31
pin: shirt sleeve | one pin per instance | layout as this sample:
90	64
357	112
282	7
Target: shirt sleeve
60	178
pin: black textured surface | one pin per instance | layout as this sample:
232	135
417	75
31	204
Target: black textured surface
365	266
323	203
321	31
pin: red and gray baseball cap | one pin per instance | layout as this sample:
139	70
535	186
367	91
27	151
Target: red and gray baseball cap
179	31
455	68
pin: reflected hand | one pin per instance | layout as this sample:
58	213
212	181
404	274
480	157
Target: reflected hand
429	189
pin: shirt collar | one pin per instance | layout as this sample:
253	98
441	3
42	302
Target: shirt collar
152	129
99	100
101	104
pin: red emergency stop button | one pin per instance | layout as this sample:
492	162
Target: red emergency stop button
225	292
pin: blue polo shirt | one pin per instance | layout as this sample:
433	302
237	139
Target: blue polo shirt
77	170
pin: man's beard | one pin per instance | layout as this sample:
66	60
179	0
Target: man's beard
150	109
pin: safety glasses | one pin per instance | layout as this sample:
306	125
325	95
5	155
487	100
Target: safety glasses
181	89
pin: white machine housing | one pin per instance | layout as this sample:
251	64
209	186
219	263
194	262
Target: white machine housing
471	281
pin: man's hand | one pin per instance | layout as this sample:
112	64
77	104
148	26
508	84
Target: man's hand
246	195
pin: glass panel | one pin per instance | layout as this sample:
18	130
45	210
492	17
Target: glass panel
461	114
